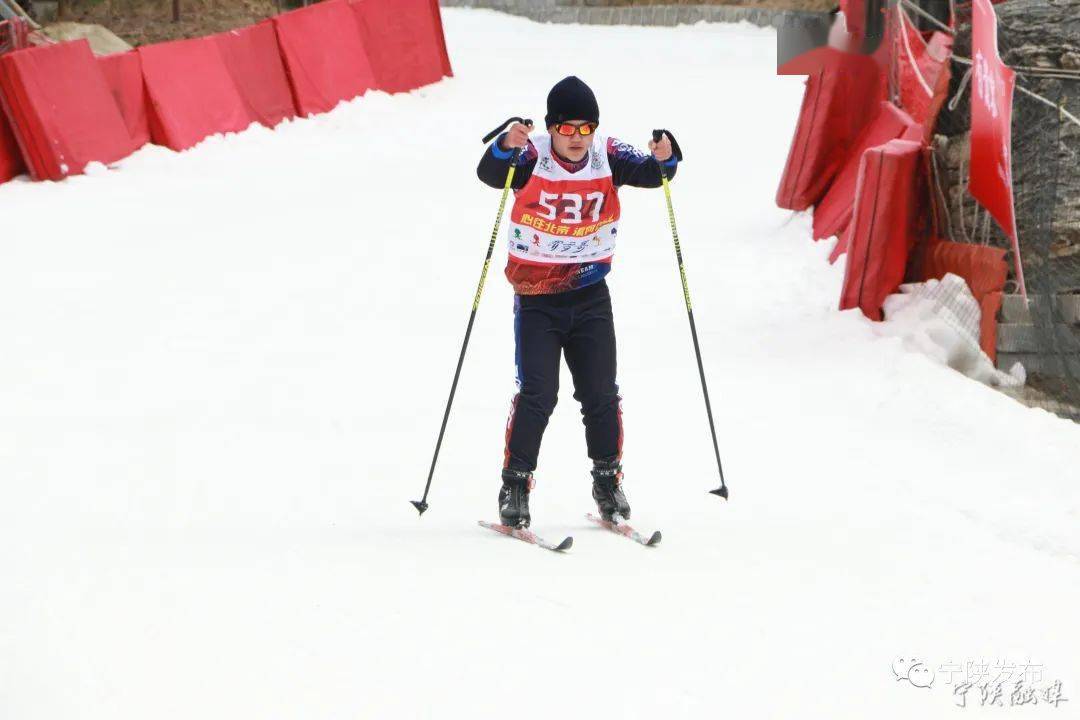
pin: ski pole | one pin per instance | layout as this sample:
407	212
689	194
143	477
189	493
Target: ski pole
722	491
421	504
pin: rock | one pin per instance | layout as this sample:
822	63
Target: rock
43	11
102	41
1044	27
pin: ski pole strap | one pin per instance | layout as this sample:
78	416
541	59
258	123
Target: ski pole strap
491	135
675	149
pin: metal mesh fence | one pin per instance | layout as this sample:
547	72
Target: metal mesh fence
1044	333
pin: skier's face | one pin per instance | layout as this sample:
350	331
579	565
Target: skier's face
572	147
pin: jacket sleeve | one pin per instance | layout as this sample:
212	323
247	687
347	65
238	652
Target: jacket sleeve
630	166
495	163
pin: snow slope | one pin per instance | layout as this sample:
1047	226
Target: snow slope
222	374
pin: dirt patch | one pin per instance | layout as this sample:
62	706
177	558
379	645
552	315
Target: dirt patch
815	5
140	22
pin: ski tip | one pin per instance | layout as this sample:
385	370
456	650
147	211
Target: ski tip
420	506
720	492
565	544
656	537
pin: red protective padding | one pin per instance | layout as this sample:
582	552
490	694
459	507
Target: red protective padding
842	95
922	70
24	130
123	73
914	133
843	241
11	162
403	42
191	92
881	234
440	36
324	55
989	306
253	59
985	271
855	15
938	68
833	213
63	114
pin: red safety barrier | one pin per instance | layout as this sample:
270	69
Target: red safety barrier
11	162
440	38
833	213
191	92
324	55
914	133
14	102
939	68
843	242
404	42
923	72
253	59
123	73
61	110
883	230
855	15
985	271
842	96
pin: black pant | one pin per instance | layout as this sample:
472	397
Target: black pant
579	323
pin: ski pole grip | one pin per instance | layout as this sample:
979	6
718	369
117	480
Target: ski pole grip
491	135
657	135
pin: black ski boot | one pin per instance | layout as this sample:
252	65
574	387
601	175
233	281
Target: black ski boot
514	498
607	489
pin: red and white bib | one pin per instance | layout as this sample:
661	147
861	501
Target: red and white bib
561	217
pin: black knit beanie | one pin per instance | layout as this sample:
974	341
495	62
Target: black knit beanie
571	99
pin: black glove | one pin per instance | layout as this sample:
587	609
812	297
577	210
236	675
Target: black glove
675	149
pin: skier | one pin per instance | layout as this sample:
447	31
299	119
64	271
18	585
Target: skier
562	234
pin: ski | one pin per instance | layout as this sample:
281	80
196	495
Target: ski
618	525
528	536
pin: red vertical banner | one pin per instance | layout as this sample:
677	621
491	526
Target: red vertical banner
992	86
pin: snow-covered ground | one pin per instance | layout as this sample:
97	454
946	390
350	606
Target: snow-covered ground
222	374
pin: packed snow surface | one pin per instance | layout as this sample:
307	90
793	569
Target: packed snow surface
223	372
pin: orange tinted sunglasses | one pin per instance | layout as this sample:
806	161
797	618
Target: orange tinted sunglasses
568	130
